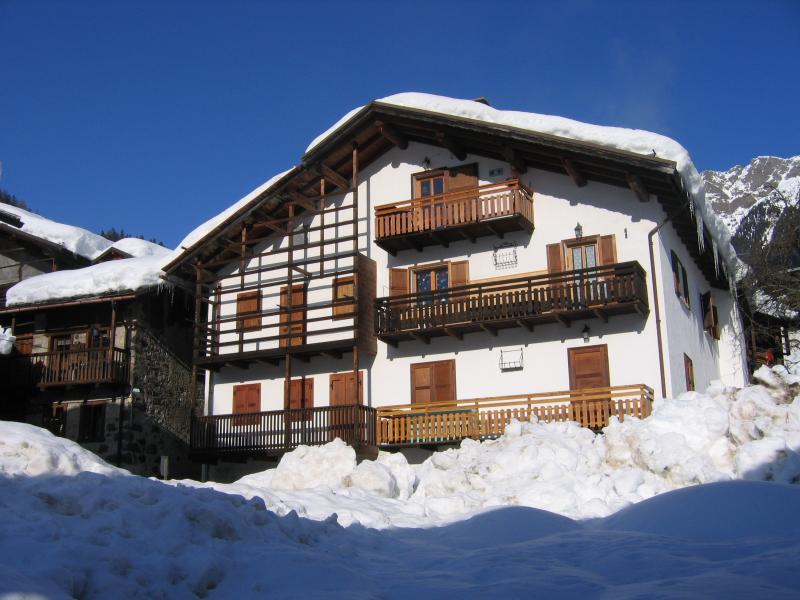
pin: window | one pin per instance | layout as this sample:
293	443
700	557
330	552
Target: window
680	279
710	317
428	279
431	185
246	400
344	293
93	421
248	311
433	382
688	367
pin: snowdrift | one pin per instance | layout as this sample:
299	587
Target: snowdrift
720	435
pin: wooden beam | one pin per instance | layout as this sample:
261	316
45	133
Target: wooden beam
332	354
302	271
332	176
302	200
562	319
453	146
440	239
637	186
600	314
524	324
488	329
514	160
573	172
453	333
420	337
391	134
270	361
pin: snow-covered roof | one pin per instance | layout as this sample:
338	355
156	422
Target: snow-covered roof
112	277
75	239
630	140
201	231
137	248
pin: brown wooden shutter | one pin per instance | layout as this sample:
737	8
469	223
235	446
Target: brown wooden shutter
459	273
676	272
710	316
342	388
344	291
398	282
246	399
461	177
555	259
248	307
688	368
607	247
301	394
433	382
298	316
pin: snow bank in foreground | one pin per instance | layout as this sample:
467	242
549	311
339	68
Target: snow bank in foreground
74	527
115	276
75	239
631	140
726	433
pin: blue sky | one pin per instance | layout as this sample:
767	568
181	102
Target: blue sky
154	116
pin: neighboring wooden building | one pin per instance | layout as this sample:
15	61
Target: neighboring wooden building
516	280
103	357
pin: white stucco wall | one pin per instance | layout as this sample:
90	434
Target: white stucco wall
558	205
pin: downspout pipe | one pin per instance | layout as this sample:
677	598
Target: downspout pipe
657	308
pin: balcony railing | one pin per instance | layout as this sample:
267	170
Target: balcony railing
492	209
487	418
522	301
76	367
275	432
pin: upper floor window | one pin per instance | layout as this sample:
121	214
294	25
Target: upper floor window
710	317
248	311
344	292
680	279
432	185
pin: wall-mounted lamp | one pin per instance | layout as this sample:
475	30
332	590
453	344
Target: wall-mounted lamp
426	162
578	231
585	333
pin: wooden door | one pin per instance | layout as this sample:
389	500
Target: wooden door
433	382
343	416
293	325
588	369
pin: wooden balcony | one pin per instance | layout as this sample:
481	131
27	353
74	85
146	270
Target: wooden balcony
272	433
494	209
599	292
80	367
487	418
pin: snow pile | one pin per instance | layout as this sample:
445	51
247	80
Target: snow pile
630	140
751	433
115	276
74	527
138	248
75	239
6	341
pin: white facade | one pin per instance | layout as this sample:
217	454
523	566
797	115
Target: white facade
559	204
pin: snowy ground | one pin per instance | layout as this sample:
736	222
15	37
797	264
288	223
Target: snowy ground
460	525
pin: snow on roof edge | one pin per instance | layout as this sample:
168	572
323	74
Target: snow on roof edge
636	141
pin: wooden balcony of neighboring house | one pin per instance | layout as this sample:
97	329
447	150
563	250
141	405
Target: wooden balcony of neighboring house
487	418
88	366
598	292
466	214
269	434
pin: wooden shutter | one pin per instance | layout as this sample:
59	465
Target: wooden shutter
433	382
459	273
298	316
344	292
676	272
555	258
248	307
461	177
688	368
588	367
710	316
246	399
607	247
398	282
342	389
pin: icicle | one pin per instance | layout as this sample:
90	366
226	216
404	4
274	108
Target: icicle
691	206
701	242
715	251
